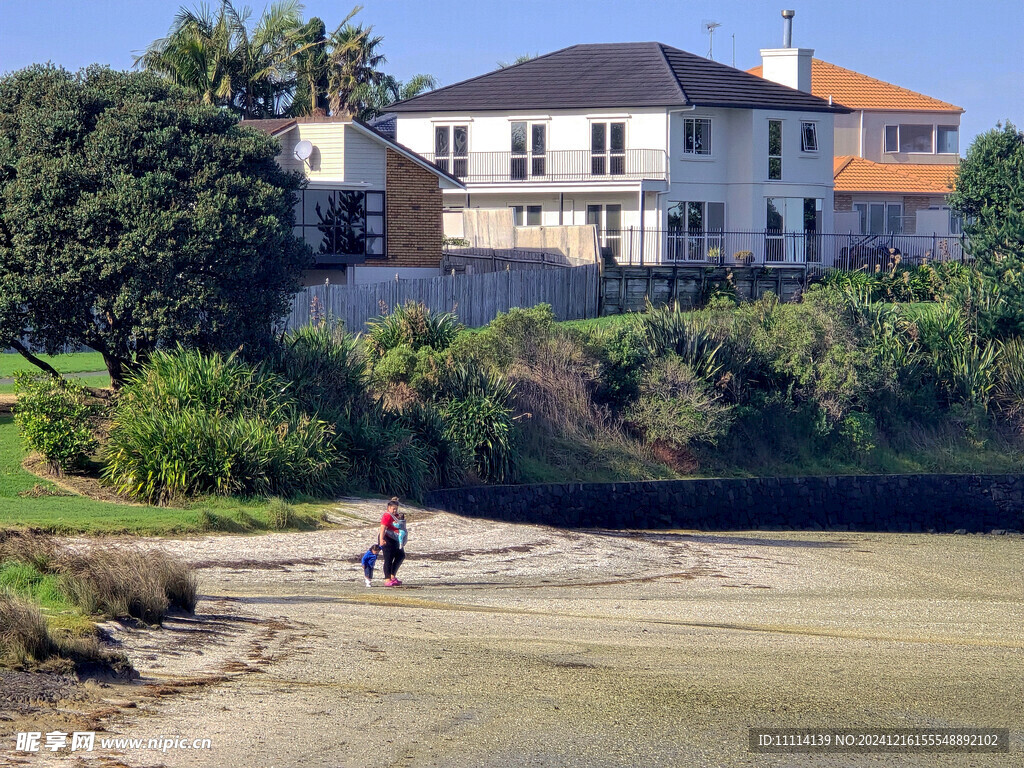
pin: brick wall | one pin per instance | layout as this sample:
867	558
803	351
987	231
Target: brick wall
843	202
911	205
415	228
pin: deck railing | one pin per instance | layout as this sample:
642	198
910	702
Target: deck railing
637	246
554	166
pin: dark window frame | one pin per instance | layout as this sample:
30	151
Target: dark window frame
337	233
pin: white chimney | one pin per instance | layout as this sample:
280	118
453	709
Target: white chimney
788	65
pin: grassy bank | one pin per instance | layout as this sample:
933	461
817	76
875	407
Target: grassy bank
27	501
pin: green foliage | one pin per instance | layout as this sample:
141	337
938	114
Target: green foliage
671	331
324	366
677	406
623	353
170	223
447	459
192	424
396	365
55	418
513	335
989	193
485	426
414	326
280	514
384	454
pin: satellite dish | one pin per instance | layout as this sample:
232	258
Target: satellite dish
303	150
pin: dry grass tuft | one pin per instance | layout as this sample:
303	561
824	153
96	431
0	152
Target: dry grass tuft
24	637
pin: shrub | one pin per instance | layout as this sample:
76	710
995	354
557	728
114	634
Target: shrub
671	331
485	427
447	459
677	406
623	353
1009	389
324	365
858	430
513	335
383	454
413	325
396	365
193	424
54	418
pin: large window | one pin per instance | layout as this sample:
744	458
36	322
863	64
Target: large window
529	148
607	148
696	136
695	230
809	137
775	150
948	139
341	222
880	218
792	224
451	148
909	137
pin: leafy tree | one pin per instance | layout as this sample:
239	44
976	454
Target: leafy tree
990	195
389	90
133	217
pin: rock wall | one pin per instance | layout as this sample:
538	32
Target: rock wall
899	503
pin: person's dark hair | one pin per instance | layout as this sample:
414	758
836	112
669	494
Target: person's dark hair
375	548
393	502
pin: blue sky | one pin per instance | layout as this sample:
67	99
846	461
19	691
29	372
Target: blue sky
966	53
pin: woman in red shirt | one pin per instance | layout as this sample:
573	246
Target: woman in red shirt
387	537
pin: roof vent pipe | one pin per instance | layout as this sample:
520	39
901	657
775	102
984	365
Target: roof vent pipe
787	28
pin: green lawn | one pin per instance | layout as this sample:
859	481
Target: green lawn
77	362
77	514
98	382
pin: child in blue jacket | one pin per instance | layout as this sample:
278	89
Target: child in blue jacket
370	560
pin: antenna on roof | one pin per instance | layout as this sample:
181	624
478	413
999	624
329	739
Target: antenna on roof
710	27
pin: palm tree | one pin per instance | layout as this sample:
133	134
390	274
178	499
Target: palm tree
195	55
263	57
354	63
310	95
521	59
378	97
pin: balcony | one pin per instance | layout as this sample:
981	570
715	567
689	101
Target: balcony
554	166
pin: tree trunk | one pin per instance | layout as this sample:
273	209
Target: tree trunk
115	367
23	351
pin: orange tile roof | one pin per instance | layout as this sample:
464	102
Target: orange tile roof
855	174
857	91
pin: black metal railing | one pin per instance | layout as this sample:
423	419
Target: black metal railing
554	166
778	248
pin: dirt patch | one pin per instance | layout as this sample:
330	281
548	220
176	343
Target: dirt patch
77	484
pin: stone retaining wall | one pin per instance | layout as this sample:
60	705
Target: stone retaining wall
899	503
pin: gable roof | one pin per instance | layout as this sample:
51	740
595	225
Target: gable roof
857	91
855	174
277	126
611	76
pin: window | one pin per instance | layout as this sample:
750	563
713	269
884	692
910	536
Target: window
809	137
948	139
880	218
695	230
607	148
451	148
341	222
791	223
775	150
892	138
696	136
526	215
908	137
528	150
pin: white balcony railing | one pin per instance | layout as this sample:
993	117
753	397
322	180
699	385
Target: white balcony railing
554	166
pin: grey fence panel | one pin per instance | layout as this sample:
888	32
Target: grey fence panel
476	298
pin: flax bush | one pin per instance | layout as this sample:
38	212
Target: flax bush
191	424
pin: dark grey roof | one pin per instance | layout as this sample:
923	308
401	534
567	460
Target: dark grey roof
385	124
614	75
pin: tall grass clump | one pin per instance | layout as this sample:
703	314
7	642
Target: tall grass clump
414	326
24	636
192	423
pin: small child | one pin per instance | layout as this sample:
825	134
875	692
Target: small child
403	532
370	560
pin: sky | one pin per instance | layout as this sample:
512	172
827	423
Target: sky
970	54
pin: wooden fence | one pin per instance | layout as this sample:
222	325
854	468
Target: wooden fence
476	299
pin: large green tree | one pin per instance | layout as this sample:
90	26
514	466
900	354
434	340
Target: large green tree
989	194
133	217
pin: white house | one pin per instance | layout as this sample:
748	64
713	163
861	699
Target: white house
661	149
896	152
371	209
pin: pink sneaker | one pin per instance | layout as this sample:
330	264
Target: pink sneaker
392	583
397	583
